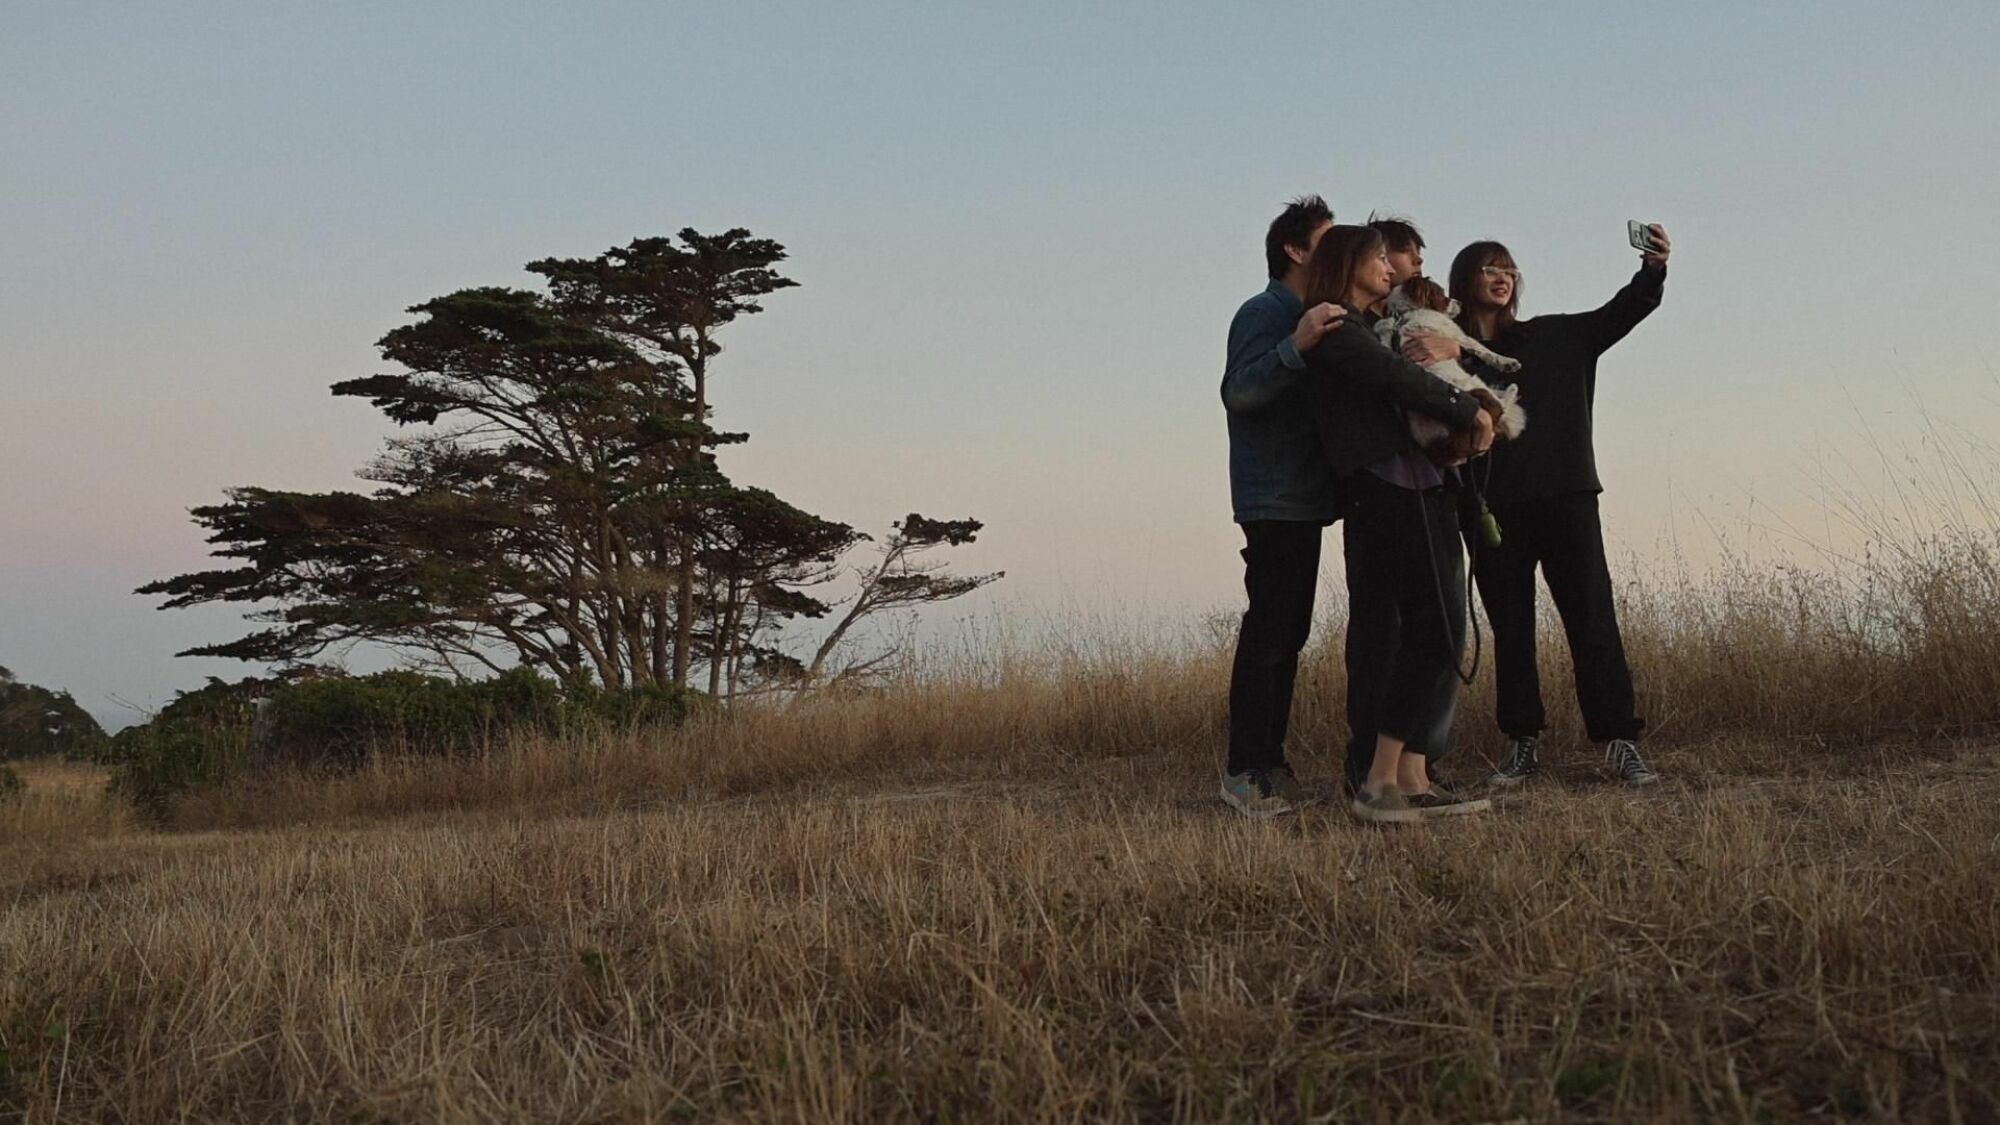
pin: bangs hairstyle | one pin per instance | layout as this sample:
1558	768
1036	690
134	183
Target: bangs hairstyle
1294	226
1465	276
1398	232
1330	273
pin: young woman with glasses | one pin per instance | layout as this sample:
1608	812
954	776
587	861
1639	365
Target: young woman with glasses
1543	489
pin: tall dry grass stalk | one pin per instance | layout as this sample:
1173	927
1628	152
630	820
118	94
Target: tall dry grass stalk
64	803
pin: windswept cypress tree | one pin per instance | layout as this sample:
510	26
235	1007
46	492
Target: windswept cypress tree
560	506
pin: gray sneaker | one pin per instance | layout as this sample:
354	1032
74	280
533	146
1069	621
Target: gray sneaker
1519	765
1385	807
1442	800
1261	794
1621	756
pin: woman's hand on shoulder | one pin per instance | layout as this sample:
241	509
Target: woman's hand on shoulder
1319	322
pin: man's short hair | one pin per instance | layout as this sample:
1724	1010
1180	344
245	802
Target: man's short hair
1398	232
1294	226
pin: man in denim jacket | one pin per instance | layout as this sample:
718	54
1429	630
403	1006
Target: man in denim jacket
1281	487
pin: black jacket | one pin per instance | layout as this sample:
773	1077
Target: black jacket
1558	381
1358	390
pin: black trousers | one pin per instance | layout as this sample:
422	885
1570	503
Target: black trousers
1406	618
1562	535
1281	575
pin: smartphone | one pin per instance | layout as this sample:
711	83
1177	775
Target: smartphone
1641	235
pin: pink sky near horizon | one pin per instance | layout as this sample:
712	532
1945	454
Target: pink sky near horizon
1017	264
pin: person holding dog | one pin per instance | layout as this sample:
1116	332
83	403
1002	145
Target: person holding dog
1405	246
1543	489
1405	568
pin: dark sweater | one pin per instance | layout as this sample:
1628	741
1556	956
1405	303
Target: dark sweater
1558	381
1356	385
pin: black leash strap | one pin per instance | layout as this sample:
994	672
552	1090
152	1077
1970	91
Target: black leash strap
1489	535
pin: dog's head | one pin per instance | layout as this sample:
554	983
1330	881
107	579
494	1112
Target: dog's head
1421	293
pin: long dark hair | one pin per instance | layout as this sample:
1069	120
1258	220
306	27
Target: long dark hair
1341	250
1465	277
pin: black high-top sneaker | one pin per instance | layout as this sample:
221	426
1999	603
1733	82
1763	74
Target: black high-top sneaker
1519	765
1621	756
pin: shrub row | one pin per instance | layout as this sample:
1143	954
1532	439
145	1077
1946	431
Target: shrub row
207	736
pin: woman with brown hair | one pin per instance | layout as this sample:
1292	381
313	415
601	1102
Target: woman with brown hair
1543	489
1405	568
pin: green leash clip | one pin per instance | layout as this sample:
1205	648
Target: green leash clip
1489	528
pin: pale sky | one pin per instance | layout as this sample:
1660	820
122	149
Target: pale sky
1020	231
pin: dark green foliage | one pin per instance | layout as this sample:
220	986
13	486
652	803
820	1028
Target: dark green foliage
199	739
207	736
11	784
651	706
38	723
1582	1082
339	719
32	1032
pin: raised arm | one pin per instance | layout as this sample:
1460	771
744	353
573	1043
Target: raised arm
1634	303
1352	352
1605	326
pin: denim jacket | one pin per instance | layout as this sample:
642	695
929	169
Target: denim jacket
1277	470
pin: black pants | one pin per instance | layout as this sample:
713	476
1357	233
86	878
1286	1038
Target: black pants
1406	618
1281	575
1565	538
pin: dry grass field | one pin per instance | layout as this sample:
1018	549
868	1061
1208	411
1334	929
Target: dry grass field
1764	939
1004	891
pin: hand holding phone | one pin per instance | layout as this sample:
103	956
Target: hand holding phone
1641	236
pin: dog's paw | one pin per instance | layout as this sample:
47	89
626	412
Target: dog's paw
1507	365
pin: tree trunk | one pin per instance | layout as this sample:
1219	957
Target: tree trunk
663	615
718	643
684	618
684	625
864	604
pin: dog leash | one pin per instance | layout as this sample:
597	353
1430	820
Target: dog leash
1489	535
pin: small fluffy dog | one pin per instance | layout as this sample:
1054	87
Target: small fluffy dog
1421	304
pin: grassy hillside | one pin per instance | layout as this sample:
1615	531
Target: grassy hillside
1002	890
1770	938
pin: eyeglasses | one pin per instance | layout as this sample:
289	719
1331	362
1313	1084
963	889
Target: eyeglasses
1501	271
